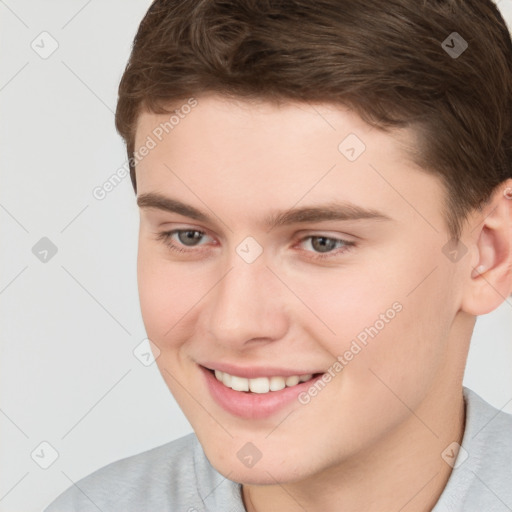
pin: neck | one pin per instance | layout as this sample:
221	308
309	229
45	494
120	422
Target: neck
402	471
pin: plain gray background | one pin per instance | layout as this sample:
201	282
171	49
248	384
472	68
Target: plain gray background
71	320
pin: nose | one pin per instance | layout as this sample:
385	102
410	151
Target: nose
247	306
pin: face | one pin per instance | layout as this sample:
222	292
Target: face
280	242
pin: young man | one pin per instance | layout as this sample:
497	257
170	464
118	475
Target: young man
325	195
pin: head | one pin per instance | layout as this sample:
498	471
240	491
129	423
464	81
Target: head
389	140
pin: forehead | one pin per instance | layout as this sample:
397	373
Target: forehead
256	151
249	116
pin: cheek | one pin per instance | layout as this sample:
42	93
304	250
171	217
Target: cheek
408	352
168	294
343	302
389	318
162	294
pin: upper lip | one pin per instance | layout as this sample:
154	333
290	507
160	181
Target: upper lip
252	372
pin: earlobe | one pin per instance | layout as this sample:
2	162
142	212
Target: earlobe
490	280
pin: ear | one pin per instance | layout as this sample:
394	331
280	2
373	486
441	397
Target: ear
489	280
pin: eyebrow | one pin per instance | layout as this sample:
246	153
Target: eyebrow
325	212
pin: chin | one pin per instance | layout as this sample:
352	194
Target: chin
259	476
264	472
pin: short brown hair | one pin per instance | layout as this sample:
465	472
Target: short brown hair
382	58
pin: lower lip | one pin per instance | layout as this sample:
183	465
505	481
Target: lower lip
249	405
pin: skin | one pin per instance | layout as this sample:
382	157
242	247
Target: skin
372	439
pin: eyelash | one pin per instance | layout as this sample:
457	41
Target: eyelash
165	236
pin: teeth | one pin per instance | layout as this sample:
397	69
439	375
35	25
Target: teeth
238	383
260	384
226	379
277	383
292	381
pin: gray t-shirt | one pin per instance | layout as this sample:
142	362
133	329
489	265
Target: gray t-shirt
178	477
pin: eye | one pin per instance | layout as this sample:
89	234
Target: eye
179	238
326	247
318	246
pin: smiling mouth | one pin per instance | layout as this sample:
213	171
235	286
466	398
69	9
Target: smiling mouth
261	385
